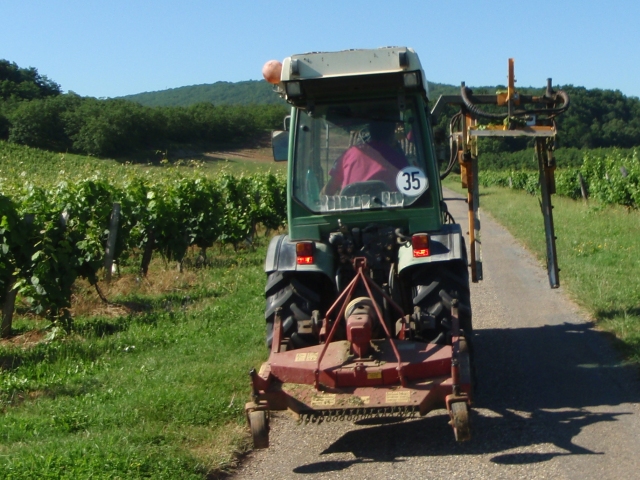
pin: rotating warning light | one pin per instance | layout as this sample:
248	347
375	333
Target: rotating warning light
271	71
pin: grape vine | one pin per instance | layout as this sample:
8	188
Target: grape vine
49	237
612	179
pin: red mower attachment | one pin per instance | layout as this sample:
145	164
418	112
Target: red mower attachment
362	376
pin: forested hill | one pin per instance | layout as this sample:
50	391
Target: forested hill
255	92
597	118
35	112
219	93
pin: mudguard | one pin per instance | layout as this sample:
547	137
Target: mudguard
281	257
444	246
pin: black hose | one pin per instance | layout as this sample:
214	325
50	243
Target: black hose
453	154
475	110
448	217
557	110
501	116
452	162
402	238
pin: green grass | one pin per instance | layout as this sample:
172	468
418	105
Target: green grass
20	164
159	394
598	254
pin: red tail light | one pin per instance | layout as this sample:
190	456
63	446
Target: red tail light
304	253
420	244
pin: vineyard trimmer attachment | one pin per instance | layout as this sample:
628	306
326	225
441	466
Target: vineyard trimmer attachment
368	311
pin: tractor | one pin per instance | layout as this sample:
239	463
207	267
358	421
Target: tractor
368	310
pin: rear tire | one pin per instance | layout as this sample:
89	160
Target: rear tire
434	285
296	299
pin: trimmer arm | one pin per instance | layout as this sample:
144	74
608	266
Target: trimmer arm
516	121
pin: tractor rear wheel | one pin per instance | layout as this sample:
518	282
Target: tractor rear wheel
298	300
434	285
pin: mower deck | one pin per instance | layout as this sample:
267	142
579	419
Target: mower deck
348	388
362	376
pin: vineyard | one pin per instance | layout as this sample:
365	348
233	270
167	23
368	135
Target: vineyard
612	178
50	235
170	375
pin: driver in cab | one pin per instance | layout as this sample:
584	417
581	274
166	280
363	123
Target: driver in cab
378	159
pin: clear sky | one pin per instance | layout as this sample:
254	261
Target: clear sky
119	47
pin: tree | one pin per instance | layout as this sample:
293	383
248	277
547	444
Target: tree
24	83
40	123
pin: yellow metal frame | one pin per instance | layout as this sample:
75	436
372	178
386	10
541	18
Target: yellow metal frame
467	144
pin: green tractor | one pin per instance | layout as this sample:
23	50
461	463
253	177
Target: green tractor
368	309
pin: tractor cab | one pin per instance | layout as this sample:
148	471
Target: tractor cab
355	156
359	141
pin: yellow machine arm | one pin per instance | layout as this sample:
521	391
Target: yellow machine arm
537	121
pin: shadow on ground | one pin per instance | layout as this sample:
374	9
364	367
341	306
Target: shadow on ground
536	386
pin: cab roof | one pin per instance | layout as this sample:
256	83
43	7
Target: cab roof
352	63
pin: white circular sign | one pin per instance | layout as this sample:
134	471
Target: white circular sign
411	181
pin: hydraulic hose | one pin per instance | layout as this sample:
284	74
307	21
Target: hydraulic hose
464	93
475	110
452	162
401	237
453	154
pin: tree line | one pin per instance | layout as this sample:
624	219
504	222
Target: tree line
34	112
256	92
596	119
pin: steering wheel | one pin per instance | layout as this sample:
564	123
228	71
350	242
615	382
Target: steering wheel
370	187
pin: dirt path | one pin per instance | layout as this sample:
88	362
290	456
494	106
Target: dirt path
553	399
263	154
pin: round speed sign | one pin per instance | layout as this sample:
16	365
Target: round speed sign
411	181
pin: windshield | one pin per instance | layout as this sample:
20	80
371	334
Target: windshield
359	155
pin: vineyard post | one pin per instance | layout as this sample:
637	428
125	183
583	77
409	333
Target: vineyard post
148	251
583	187
7	309
11	293
111	241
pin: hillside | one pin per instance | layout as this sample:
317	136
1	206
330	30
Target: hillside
229	93
219	93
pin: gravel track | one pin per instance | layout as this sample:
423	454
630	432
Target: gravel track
553	399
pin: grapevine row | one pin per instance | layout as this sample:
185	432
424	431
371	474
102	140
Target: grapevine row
612	179
51	236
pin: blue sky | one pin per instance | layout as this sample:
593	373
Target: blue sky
118	47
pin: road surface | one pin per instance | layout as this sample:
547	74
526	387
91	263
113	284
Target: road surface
553	401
